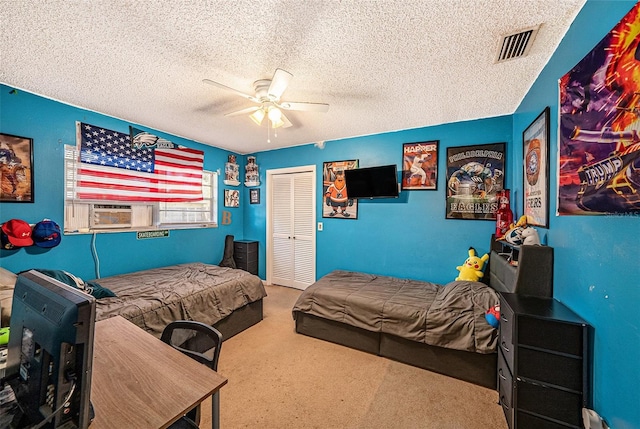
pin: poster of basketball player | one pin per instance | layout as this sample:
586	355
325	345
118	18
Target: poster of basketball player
474	175
420	165
16	169
335	195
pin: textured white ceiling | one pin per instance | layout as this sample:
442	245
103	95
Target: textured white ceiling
382	65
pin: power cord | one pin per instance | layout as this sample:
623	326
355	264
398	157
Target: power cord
48	419
94	252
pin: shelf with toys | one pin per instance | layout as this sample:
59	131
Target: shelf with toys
529	266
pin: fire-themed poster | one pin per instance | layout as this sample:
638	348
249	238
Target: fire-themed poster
599	148
420	165
474	176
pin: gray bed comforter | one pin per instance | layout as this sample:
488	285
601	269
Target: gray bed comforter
153	298
451	316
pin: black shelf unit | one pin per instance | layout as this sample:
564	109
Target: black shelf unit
543	364
529	267
245	253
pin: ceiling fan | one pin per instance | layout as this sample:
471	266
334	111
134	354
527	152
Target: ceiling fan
267	98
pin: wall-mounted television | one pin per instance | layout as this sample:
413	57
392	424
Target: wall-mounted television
50	353
372	182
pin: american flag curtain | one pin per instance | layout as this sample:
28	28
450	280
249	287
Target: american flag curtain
110	168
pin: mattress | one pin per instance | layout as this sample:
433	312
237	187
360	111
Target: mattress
451	315
196	291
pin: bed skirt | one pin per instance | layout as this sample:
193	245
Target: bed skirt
476	368
241	319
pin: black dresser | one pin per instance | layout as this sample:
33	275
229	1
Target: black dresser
245	253
543	363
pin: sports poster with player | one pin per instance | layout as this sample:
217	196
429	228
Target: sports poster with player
599	148
474	176
335	196
420	165
536	171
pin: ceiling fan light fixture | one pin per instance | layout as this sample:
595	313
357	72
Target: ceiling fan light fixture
257	116
277	124
275	115
267	97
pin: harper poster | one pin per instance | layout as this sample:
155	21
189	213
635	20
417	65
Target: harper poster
599	148
474	175
420	165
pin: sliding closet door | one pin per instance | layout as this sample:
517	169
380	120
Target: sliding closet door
291	228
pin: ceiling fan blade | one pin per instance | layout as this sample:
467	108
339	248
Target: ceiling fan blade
243	111
279	83
240	93
307	107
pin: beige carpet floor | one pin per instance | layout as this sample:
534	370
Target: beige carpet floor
280	379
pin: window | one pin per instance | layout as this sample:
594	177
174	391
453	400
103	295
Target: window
82	216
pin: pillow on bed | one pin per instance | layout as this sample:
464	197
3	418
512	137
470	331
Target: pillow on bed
92	288
7	283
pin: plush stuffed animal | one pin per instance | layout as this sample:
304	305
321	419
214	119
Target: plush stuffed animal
492	316
530	236
472	268
514	233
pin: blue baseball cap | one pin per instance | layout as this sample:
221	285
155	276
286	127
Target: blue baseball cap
46	233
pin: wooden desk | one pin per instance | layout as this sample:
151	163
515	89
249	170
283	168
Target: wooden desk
140	382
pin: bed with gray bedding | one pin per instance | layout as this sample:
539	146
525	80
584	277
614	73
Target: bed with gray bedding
441	328
383	315
450	316
227	298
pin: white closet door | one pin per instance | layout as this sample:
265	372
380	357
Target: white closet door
291	260
304	231
282	261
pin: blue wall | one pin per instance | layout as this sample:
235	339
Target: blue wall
406	237
52	125
597	257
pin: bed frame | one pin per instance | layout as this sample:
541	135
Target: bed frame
532	276
240	319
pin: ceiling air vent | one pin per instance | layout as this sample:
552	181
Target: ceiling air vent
516	45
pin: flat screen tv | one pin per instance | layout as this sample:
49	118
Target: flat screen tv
372	182
50	353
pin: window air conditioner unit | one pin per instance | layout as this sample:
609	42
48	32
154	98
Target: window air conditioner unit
103	216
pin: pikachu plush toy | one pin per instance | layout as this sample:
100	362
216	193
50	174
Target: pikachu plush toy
472	268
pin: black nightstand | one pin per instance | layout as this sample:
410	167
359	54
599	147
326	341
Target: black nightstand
543	363
245	253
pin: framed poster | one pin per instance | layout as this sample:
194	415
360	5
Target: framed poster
335	195
474	175
254	196
16	169
535	141
420	165
231	198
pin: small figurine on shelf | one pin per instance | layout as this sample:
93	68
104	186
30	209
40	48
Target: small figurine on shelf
231	172
252	178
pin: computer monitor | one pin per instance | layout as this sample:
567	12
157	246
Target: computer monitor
50	352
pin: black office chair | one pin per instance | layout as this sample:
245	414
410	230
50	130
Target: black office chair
202	343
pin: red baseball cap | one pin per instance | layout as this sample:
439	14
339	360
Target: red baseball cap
18	232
